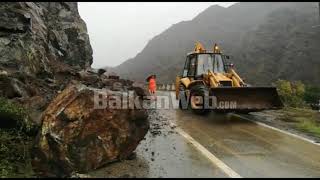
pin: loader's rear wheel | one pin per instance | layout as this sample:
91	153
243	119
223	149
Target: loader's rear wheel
197	97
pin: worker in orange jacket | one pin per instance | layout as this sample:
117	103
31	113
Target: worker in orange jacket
152	85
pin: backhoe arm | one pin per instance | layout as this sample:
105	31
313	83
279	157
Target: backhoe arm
212	79
236	80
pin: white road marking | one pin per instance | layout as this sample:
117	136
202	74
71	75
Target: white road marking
279	130
217	162
315	26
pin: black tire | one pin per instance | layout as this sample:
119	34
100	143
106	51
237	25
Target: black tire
199	90
182	93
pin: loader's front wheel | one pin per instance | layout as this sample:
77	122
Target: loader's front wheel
182	98
197	98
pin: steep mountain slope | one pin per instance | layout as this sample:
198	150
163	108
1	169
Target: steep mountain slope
285	46
255	34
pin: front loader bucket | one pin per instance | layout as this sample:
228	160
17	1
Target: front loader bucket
246	99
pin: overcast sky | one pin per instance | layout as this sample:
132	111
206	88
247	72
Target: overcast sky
120	30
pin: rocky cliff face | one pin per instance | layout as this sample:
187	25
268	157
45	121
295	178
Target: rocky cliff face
42	44
35	38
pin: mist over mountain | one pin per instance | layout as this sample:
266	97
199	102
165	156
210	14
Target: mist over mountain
266	40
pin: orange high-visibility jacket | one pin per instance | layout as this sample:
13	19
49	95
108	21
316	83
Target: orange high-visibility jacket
152	84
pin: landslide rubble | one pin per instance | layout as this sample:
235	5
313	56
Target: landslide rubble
45	66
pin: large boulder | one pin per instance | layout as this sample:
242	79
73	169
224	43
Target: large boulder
78	134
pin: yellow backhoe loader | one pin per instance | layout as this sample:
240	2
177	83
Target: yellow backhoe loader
209	83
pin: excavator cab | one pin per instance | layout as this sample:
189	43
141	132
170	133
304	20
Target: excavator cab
197	65
208	82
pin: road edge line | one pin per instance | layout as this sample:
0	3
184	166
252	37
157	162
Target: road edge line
279	130
217	162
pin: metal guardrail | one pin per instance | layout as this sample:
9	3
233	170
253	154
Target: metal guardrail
163	87
166	87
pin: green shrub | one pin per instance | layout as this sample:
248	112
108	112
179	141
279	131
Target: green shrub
312	94
16	116
15	159
15	140
291	93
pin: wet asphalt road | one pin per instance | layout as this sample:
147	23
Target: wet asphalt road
248	149
252	150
